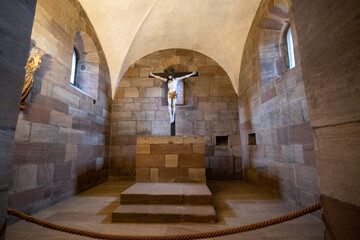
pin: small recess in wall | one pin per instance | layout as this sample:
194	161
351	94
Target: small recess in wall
252	139
94	101
221	140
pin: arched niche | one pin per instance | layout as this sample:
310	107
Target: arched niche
210	110
87	69
273	51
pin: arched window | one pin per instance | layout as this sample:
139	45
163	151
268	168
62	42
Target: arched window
85	65
73	67
276	48
290	48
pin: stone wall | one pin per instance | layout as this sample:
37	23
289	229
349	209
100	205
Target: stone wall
329	46
16	20
210	110
275	110
61	140
170	159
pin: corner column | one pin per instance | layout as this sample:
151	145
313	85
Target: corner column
16	21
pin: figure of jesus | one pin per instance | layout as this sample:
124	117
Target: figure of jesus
172	85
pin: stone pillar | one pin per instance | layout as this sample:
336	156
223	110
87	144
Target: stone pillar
16	20
328	40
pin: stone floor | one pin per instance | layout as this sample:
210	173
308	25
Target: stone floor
236	202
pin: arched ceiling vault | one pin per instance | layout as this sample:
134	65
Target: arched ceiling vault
131	29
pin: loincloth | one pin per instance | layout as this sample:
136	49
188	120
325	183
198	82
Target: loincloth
172	95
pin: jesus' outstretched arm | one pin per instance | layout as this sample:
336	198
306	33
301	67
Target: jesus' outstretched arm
158	77
187	76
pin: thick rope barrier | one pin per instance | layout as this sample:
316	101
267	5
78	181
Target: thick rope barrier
218	233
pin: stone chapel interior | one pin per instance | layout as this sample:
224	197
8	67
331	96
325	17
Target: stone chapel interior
270	125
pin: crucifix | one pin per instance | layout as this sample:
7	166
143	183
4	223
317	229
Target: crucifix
172	80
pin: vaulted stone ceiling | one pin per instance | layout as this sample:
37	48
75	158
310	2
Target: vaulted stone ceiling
131	29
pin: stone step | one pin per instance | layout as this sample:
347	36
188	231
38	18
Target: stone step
164	214
167	193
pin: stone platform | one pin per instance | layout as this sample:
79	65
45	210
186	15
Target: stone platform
165	203
170	188
167	193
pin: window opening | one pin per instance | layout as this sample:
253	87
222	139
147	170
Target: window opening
73	67
290	46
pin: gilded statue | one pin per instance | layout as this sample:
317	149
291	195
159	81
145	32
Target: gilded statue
33	63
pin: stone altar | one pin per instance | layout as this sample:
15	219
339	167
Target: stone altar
170	159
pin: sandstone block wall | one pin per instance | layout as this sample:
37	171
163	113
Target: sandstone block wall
276	111
61	140
170	159
210	110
